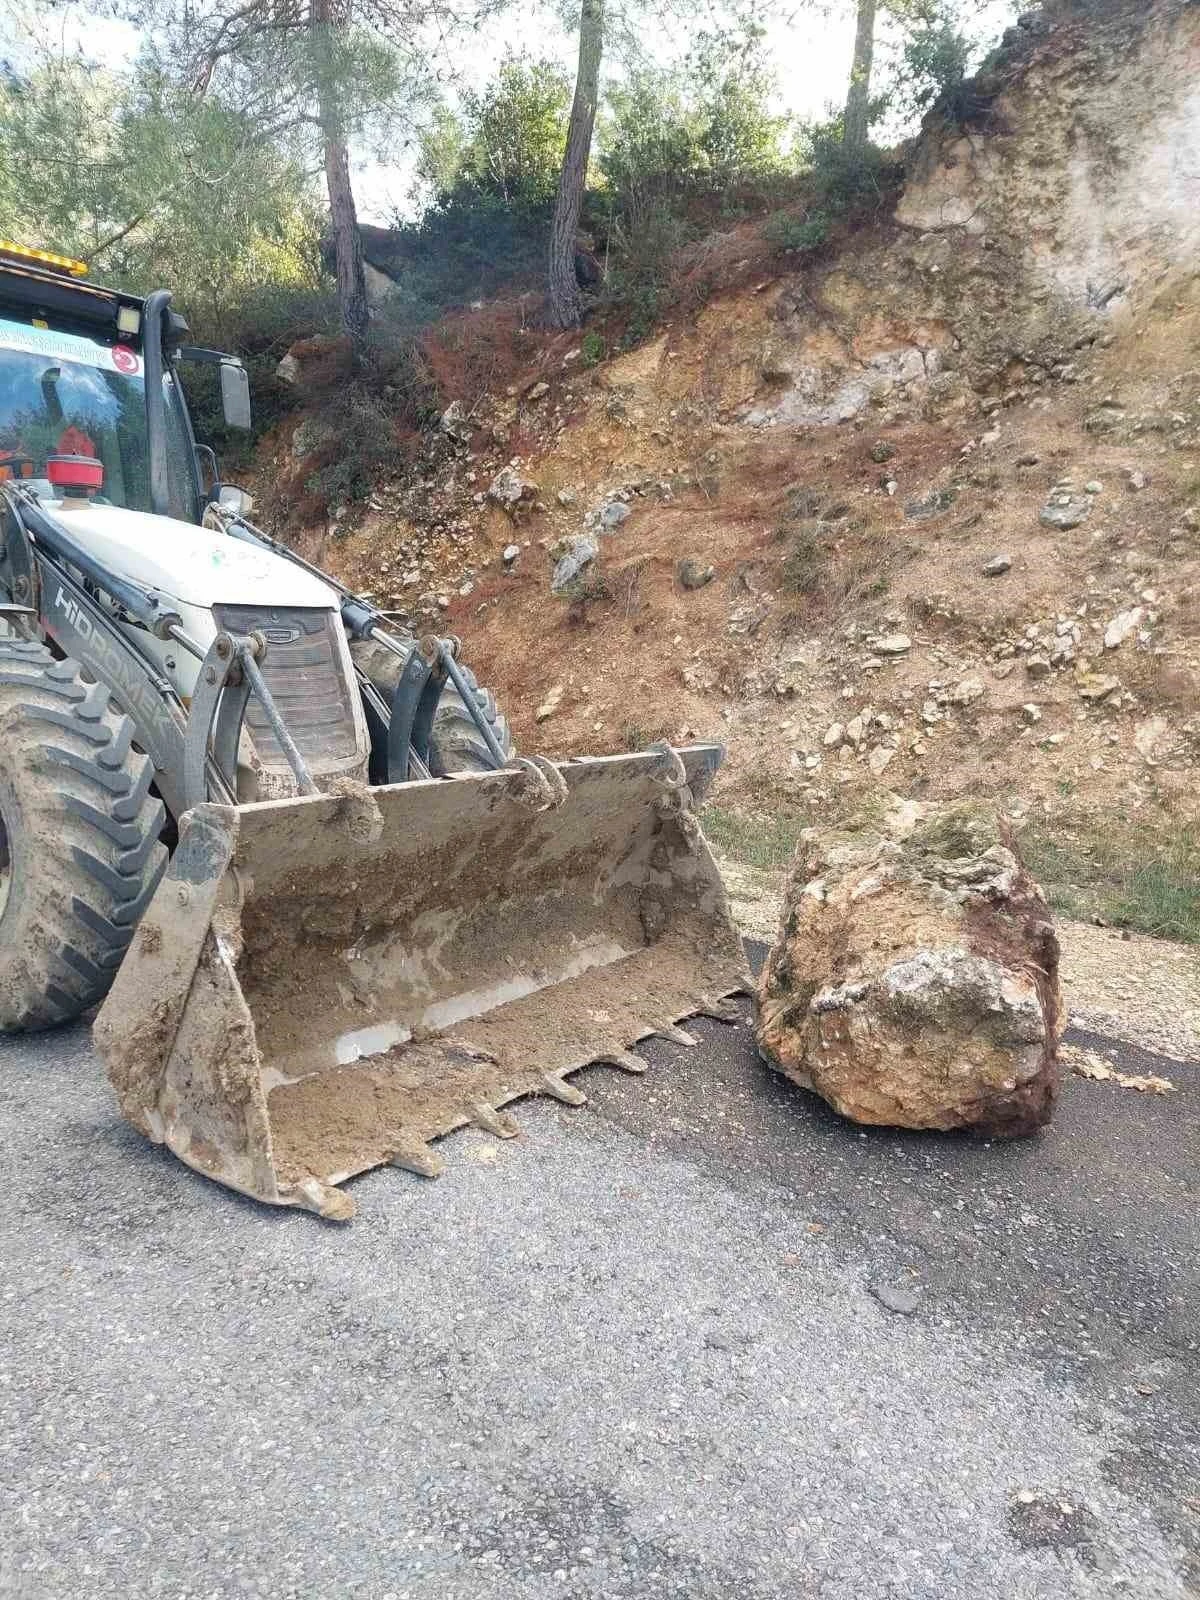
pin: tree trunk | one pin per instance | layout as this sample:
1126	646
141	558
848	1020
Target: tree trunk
343	217
855	123
347	241
566	307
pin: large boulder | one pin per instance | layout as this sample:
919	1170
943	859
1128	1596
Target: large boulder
914	980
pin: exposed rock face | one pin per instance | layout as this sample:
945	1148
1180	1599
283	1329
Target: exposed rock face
914	981
1089	182
1068	196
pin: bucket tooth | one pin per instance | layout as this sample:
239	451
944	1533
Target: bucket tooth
419	1158
335	1205
721	1010
500	1124
626	1060
558	1089
676	1035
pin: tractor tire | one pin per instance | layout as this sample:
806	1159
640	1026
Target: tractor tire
455	744
80	853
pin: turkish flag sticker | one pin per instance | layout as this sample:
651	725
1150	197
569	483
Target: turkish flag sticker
125	360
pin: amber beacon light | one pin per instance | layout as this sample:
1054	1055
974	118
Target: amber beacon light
43	258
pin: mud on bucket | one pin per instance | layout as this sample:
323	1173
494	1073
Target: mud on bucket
324	985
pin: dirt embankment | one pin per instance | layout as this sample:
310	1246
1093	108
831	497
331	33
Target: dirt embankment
923	514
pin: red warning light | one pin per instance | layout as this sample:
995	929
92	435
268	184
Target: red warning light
83	474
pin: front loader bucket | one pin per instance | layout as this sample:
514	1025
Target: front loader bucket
323	985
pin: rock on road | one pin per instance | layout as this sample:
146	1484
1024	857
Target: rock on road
698	1339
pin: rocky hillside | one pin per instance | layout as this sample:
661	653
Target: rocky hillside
922	513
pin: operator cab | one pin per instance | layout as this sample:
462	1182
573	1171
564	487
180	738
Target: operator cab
79	367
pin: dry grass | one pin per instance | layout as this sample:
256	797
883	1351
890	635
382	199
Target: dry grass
469	354
1124	876
754	840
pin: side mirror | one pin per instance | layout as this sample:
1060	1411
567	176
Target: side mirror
231	498
235	394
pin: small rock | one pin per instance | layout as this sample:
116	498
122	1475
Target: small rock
511	492
613	514
1032	713
835	734
1135	478
550	704
574	555
1065	510
1191	519
894	1297
748	618
1038	666
1093	486
931	504
1123	626
879	760
1150	736
511	552
855	730
1028	458
997	566
693	574
455	424
537	391
566	497
967	691
1096	686
892	644
882	450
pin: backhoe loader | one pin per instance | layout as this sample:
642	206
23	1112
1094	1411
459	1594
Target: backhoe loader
328	913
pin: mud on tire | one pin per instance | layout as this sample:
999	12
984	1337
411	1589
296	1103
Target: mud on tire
455	743
80	848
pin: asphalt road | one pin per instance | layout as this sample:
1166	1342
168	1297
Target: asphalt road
638	1352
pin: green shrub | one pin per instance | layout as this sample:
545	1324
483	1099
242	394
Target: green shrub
470	244
640	284
363	446
592	348
933	72
258	328
508	140
804	564
845	182
786	231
